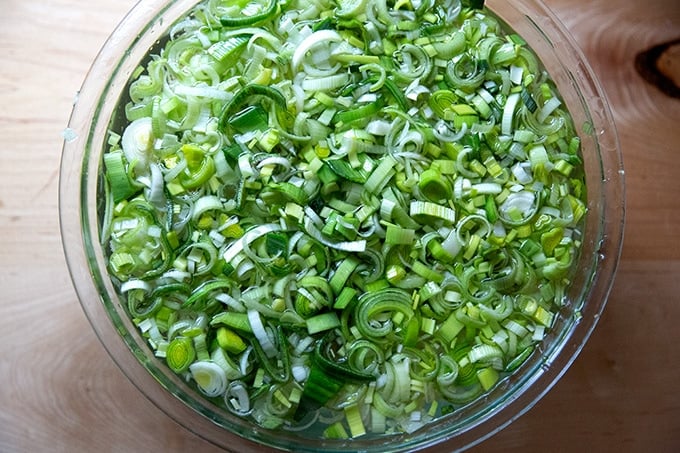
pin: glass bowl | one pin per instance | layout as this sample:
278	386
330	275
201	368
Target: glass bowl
80	169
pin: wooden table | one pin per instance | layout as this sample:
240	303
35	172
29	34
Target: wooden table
60	391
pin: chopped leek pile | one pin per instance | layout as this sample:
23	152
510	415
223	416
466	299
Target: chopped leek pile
345	216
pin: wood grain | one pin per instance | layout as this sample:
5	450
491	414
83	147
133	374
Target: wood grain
61	392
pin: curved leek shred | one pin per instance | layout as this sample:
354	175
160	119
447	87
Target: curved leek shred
363	209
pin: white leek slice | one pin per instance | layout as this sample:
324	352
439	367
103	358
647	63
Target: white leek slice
261	334
319	37
509	113
204	204
137	141
209	377
259	231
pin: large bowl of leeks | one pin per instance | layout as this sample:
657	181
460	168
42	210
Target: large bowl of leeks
342	225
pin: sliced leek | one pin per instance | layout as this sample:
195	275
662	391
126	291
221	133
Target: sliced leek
354	216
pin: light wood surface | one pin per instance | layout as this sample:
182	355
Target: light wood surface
60	391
